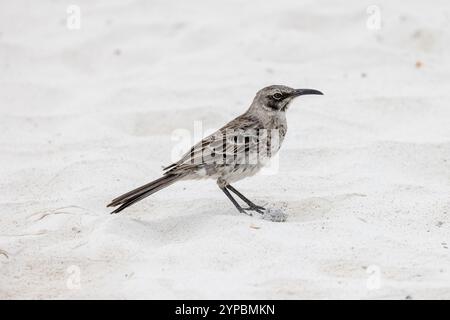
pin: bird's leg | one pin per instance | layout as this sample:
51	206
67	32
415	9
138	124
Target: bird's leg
228	194
251	205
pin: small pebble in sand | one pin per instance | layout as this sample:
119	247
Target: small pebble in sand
275	215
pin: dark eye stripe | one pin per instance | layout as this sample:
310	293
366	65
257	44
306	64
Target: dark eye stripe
273	104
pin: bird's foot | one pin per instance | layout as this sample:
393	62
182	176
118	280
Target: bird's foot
244	211
256	208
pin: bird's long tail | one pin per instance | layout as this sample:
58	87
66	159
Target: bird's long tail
144	191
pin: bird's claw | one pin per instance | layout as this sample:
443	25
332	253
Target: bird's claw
243	210
258	209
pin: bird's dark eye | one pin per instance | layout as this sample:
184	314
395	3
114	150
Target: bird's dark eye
277	96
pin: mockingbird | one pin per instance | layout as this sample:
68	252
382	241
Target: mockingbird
237	150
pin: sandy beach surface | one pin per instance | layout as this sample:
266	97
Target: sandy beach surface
90	113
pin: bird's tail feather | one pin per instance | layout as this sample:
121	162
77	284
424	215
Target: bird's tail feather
144	191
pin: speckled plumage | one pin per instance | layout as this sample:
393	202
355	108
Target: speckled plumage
236	151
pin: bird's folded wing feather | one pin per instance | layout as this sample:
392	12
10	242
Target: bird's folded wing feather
238	136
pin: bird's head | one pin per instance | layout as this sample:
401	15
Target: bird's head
277	98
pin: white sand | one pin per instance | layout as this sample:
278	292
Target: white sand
89	114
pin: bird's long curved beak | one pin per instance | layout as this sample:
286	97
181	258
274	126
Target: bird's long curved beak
301	92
